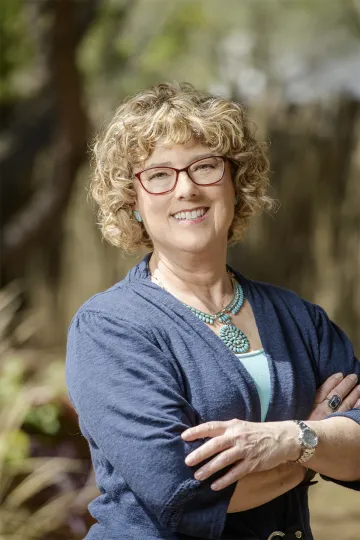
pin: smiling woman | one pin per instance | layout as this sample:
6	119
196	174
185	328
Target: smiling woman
140	137
202	393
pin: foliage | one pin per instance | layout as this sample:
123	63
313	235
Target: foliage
38	494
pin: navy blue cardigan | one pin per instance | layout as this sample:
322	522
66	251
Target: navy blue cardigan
141	368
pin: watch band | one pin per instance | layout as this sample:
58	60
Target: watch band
306	453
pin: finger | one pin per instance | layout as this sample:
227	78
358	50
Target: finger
221	461
208	429
327	387
350	400
345	387
238	471
322	410
208	449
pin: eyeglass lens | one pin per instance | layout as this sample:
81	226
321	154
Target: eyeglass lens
206	171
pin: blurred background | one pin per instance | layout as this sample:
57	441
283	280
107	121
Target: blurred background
65	65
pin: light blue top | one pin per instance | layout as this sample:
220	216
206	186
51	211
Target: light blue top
257	366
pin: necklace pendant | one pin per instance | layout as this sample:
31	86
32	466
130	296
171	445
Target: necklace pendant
234	338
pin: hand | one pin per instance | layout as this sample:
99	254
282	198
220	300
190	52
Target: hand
346	388
252	446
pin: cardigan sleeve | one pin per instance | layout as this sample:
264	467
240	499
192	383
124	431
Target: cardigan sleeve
128	395
335	354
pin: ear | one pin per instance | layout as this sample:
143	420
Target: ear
134	205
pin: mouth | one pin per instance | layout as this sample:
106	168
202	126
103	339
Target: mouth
194	216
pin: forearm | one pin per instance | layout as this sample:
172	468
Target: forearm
338	451
259	488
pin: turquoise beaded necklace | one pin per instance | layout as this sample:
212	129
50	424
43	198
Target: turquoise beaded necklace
234	338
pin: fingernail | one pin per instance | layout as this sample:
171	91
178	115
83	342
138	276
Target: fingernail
353	377
338	376
199	475
215	486
358	404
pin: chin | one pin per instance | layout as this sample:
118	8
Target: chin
192	245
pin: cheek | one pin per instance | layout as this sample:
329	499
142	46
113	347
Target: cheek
226	204
155	210
227	214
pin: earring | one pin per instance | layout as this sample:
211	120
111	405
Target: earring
236	200
137	216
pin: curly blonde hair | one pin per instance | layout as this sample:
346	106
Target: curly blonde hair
174	113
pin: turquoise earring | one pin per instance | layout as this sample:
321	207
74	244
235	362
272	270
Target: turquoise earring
137	216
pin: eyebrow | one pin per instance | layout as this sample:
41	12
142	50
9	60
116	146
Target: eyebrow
169	163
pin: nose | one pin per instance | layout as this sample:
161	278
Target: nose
185	187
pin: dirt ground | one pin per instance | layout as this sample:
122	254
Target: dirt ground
335	512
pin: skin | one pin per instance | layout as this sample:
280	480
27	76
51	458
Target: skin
189	260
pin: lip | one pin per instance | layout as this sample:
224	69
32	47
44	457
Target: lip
190	210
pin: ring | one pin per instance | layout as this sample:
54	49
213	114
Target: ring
334	402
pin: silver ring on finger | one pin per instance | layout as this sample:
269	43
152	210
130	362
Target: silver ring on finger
334	402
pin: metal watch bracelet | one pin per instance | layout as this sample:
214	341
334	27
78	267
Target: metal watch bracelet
308	447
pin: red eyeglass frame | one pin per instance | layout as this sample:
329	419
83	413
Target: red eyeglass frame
138	174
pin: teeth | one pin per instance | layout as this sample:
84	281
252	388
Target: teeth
190	215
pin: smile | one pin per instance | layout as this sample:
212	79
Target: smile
194	216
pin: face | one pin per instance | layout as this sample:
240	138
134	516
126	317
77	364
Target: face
157	211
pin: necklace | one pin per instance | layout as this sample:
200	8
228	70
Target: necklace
234	338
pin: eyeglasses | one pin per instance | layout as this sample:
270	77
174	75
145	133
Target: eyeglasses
203	172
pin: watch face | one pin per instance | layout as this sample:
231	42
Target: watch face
310	438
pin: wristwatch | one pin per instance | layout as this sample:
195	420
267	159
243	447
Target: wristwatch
308	441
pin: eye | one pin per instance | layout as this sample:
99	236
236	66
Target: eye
204	166
161	174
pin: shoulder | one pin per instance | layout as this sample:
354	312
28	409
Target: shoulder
112	333
311	320
276	292
119	303
107	327
284	300
127	300
105	301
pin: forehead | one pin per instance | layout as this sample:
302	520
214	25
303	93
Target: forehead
177	155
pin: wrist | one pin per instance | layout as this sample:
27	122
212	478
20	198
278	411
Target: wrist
307	441
294	449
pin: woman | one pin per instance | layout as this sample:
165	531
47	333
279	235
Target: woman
185	341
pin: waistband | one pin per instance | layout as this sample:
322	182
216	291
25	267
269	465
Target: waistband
280	535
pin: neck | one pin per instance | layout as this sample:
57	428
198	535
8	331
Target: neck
198	279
